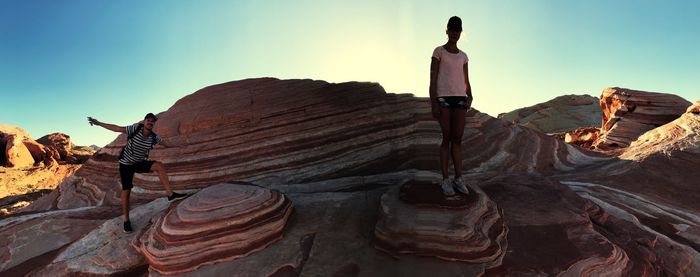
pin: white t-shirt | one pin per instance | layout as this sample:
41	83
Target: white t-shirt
450	79
138	147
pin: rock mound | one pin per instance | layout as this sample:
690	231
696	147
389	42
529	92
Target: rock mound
342	154
629	113
417	219
560	114
14	152
29	168
219	223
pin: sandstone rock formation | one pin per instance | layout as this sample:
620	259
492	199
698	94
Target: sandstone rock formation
417	219
219	223
583	137
20	150
14	153
341	154
560	114
27	167
67	151
653	186
629	113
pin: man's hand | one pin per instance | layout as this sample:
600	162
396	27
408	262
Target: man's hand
93	121
107	126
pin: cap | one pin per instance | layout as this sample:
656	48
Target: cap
454	24
151	115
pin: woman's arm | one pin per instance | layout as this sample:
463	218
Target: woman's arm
466	80
470	98
434	68
107	126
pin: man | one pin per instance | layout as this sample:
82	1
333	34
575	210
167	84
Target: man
133	159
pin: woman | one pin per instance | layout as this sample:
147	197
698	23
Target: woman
450	97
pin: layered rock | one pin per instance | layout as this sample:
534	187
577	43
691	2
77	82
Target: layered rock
29	240
67	151
28	168
679	138
326	131
20	150
14	152
563	113
583	137
417	219
548	225
220	223
106	250
629	113
653	190
335	149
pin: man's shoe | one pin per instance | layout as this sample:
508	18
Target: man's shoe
461	187
127	227
447	187
175	196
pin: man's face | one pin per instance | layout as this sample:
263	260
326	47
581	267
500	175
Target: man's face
148	123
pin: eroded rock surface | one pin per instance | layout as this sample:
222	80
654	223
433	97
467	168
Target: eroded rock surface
334	150
217	224
417	219
561	114
629	113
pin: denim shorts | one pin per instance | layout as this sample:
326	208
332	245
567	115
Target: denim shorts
453	102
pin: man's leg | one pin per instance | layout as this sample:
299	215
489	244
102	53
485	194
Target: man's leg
125	203
163	176
126	172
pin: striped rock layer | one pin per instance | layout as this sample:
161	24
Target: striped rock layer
270	131
220	223
334	149
417	219
653	189
629	113
561	114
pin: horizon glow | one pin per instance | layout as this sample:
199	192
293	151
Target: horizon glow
117	61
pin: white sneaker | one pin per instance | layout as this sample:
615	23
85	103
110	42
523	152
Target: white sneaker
459	184
447	187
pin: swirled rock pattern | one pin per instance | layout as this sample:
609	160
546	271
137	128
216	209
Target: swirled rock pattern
220	223
417	219
335	150
658	197
327	131
629	113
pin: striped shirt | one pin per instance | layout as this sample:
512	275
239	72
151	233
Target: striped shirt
138	146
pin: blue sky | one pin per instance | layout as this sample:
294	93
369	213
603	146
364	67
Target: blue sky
61	61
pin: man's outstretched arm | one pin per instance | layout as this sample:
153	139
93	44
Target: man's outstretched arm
107	126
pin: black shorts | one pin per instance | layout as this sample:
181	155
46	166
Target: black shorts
127	172
454	102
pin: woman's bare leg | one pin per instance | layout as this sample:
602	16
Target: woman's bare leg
456	132
445	126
